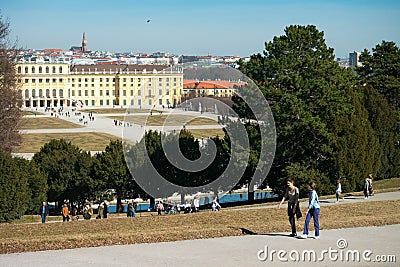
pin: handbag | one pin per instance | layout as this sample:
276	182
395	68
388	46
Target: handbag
298	211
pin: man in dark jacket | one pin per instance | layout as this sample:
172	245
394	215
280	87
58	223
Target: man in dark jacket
44	211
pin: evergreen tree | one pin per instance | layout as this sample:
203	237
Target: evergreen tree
67	169
386	124
356	146
381	69
14	187
307	90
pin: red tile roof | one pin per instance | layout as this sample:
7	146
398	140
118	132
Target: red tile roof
194	84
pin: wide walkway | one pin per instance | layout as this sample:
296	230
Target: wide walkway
349	247
337	246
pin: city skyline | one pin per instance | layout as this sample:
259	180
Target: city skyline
184	27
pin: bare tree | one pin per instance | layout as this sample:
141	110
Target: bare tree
10	100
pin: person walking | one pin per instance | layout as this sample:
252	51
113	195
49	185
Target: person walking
160	207
338	190
292	194
312	212
44	211
370	189
65	213
366	186
215	205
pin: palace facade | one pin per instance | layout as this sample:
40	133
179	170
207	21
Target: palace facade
62	84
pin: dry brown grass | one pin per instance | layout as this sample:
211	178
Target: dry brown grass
159	120
199	133
46	123
206	224
91	141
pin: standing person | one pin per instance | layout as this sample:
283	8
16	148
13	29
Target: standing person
292	194
131	209
366	187
44	211
105	209
370	189
134	204
65	213
215	205
196	203
338	190
160	207
100	211
312	211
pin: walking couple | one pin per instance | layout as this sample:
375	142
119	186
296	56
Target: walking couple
292	195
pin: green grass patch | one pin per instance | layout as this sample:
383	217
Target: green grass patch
24	237
159	120
31	143
46	123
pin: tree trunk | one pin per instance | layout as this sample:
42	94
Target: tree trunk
119	201
250	196
152	203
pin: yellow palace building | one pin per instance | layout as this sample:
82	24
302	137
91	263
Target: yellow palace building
62	84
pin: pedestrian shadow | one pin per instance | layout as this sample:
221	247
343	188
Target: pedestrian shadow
249	232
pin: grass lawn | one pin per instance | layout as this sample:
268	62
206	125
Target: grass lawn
32	143
31	112
115	110
206	224
46	123
159	120
386	184
199	133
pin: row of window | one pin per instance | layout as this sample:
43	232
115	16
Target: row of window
124	92
54	80
40	91
40	69
125	102
41	80
86	93
113	84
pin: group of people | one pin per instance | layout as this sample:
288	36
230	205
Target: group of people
293	210
313	211
367	187
69	212
190	206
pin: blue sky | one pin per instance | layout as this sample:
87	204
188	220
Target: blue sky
219	27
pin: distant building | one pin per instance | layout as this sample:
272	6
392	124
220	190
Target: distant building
82	48
194	88
84	42
354	59
62	84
